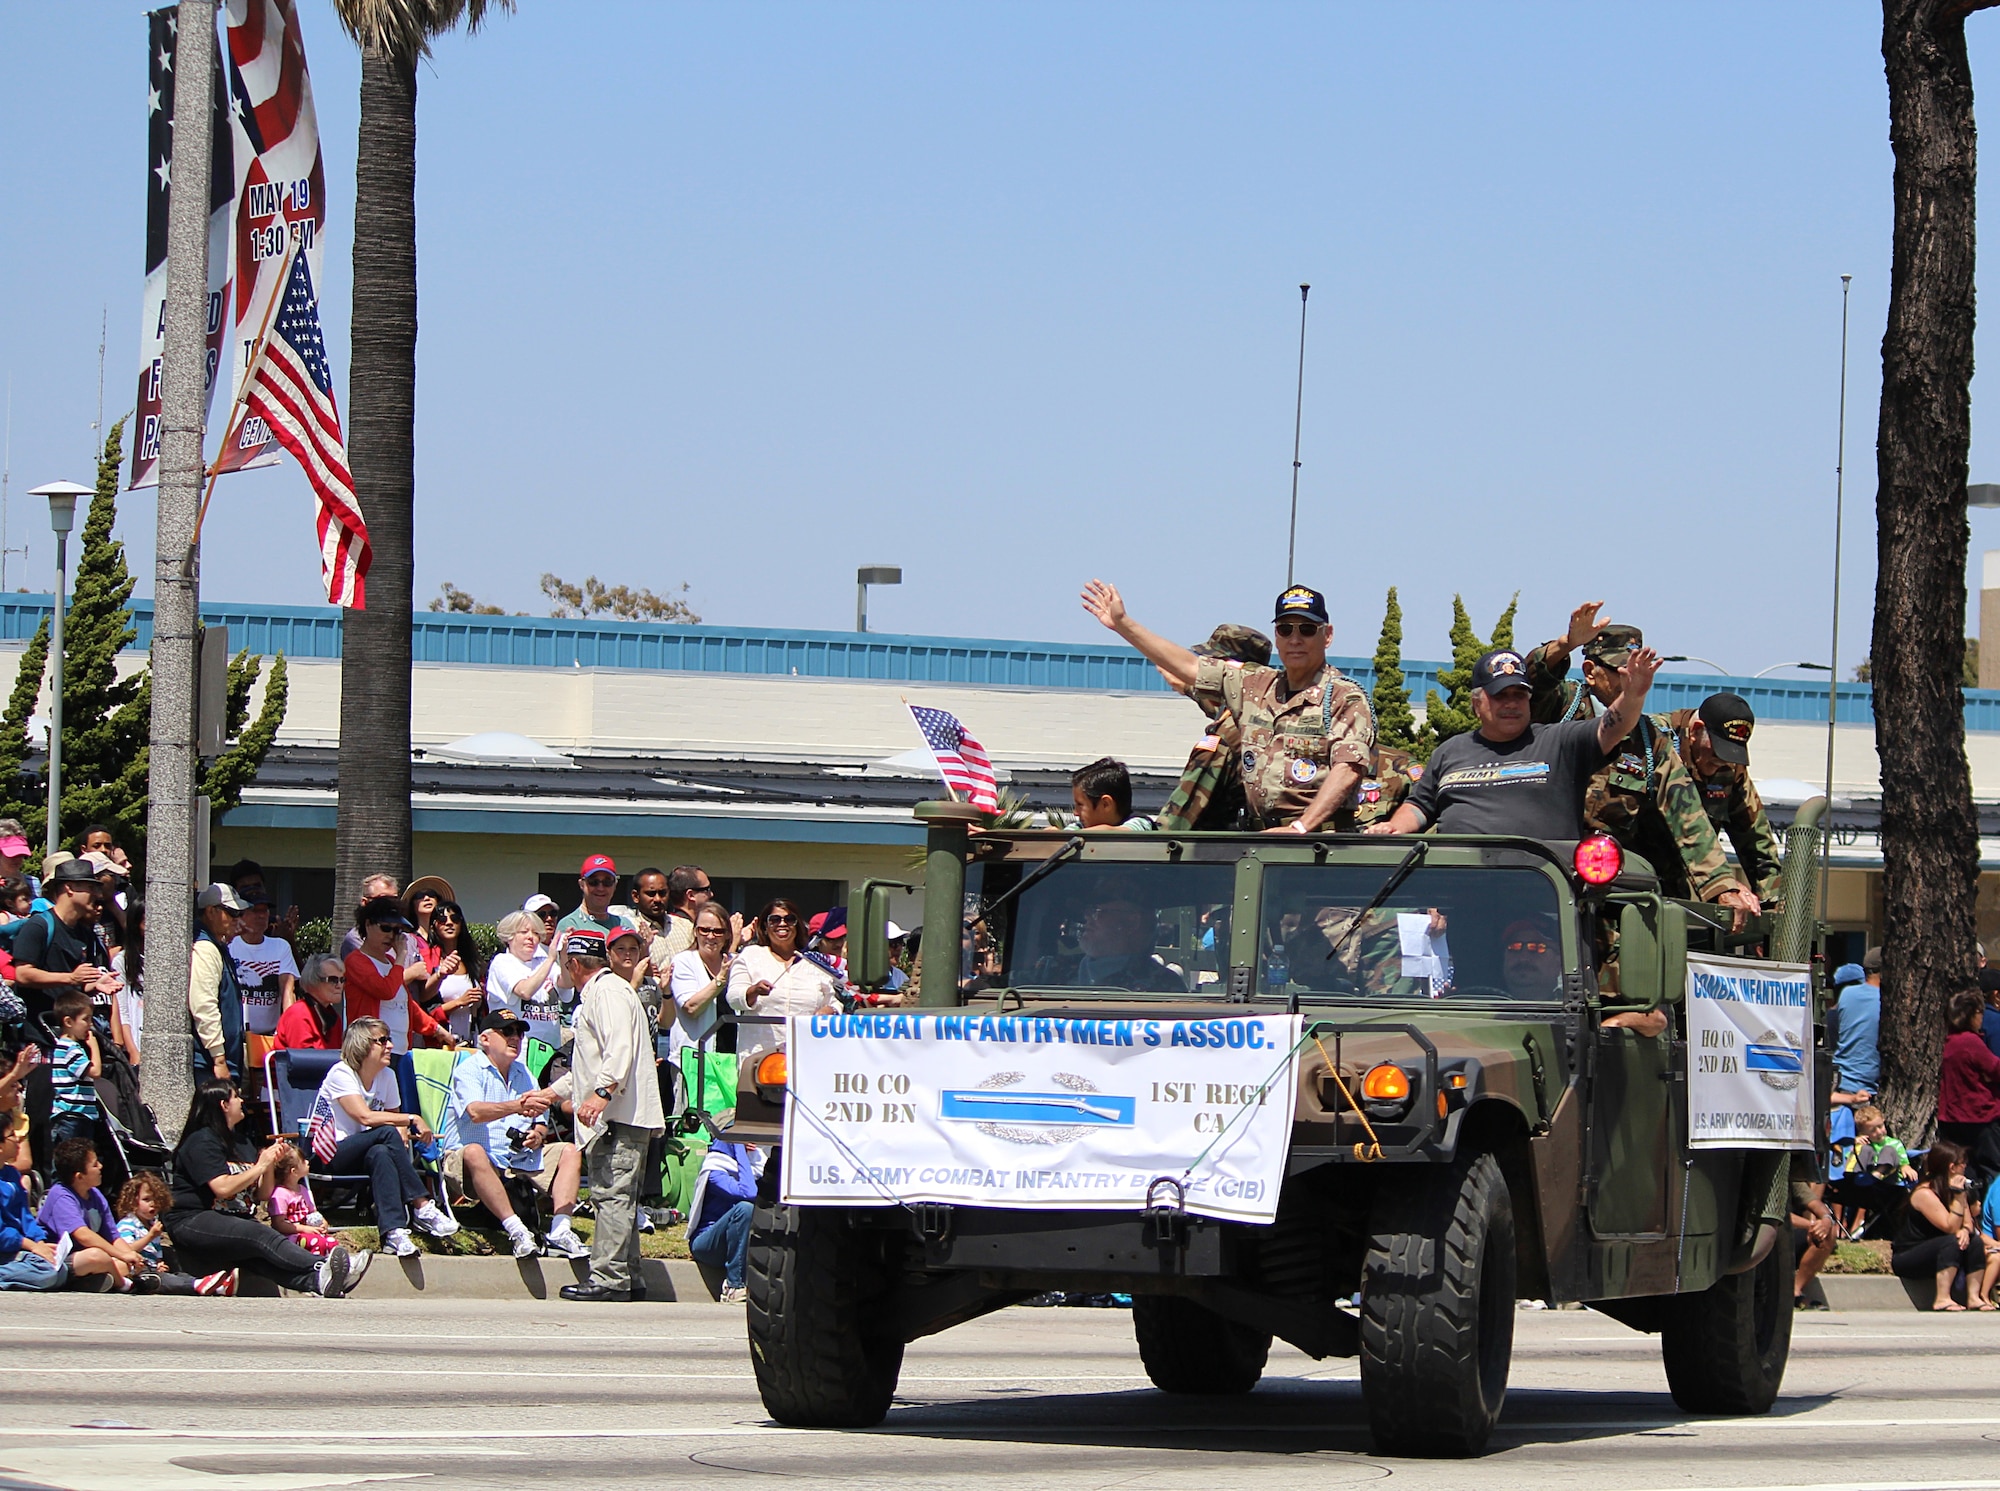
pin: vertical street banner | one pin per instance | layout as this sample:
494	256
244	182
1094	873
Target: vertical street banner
161	28
1749	1025
280	192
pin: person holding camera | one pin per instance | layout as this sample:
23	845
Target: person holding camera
497	1121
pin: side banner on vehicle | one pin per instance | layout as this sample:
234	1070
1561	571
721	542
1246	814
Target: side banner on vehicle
1749	1027
1025	1111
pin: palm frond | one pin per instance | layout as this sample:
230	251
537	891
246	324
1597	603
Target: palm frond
404	28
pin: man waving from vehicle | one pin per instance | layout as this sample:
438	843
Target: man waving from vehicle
1511	775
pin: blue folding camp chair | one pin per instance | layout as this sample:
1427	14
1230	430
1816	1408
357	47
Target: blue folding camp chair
293	1079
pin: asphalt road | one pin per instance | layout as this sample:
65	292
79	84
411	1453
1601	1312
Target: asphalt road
105	1394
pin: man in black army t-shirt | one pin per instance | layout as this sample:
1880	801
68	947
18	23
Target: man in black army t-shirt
1511	775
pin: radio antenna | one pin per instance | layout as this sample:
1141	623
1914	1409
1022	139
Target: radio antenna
1298	417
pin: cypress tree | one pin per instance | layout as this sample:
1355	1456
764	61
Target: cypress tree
1452	715
106	718
18	798
1395	724
106	721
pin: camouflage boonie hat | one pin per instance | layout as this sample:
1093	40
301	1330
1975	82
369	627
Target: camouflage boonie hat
1613	646
1243	643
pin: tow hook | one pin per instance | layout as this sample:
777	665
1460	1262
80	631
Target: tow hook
1166	1213
932	1221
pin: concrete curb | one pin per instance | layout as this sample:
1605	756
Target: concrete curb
667	1280
679	1281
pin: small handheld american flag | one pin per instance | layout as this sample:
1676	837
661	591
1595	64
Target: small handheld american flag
961	760
319	1130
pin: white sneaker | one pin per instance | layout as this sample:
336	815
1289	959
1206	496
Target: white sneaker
434	1223
566	1244
645	1220
332	1274
399	1242
357	1265
525	1245
734	1294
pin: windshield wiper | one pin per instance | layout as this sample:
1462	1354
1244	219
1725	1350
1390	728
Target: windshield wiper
1396	877
1040	872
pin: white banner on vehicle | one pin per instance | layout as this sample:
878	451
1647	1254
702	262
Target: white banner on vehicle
1749	1027
1032	1112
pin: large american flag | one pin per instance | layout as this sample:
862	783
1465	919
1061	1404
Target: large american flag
291	389
961	760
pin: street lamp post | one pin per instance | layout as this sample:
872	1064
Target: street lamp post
62	497
1683	657
871	574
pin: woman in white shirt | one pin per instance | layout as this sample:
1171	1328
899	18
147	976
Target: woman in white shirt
699	977
455	986
771	976
522	978
361	1105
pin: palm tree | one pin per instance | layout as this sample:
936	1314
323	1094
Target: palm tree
372	824
1930	833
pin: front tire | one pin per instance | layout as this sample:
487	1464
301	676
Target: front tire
1725	1348
1437	1309
1188	1348
817	1286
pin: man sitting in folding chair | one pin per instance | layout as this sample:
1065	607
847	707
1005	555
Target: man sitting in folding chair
496	1131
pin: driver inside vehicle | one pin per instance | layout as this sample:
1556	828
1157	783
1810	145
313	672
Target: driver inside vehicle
1531	968
1531	963
1116	937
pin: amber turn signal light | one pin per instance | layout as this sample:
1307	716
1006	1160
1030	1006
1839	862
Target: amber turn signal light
1386	1084
771	1070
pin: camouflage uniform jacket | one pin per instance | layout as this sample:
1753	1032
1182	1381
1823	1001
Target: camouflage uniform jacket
1380	793
1209	795
1552	695
1289	744
1733	806
1643	797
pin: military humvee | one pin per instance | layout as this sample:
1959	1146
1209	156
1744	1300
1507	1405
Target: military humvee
1455	1146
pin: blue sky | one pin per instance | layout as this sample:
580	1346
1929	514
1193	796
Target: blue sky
744	296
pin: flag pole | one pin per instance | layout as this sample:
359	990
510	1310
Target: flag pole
927	746
240	405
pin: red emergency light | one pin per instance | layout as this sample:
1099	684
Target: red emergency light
1598	860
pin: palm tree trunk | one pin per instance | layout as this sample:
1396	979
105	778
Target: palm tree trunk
1930	835
372	825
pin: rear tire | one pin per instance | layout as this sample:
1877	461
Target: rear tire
1188	1348
1437	1309
817	1343
1725	1348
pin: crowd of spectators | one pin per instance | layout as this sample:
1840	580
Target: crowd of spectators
558	1057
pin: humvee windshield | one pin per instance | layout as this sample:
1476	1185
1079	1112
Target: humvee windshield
1141	928
1460	933
1164	928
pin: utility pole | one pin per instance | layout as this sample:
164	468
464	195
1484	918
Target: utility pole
170	828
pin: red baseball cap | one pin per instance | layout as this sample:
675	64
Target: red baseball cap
596	863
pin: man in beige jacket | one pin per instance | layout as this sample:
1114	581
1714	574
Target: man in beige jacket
616	1100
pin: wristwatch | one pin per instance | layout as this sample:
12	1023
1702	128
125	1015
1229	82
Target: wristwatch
606	1093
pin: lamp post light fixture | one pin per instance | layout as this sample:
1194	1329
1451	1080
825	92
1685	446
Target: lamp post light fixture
1809	667
62	497
871	574
1683	657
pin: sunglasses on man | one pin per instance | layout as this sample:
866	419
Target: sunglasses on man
1305	629
1528	947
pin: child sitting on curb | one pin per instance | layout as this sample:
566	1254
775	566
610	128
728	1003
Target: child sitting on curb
292	1210
28	1256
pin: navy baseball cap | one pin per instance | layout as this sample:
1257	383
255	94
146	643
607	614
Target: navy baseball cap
1301	600
1499	671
